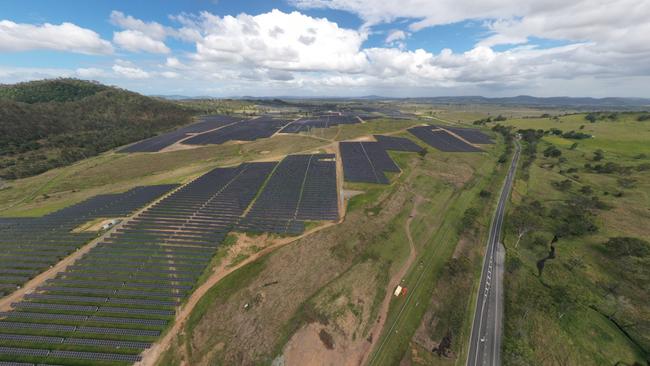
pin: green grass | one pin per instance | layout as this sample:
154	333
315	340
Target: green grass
537	325
405	314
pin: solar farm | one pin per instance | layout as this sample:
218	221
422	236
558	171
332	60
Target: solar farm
160	142
366	162
302	188
470	135
443	140
247	130
397	143
322	121
31	245
120	296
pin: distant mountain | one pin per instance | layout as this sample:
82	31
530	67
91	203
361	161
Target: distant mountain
521	100
179	97
50	123
526	100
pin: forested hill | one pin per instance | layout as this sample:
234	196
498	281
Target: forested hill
50	123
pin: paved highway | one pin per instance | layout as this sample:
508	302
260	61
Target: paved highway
485	340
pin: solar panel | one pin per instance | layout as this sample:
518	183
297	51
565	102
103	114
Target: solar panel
441	140
471	135
397	143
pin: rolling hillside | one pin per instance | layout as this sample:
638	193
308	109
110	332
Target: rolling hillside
50	123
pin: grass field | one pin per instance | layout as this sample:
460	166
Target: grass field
406	313
588	307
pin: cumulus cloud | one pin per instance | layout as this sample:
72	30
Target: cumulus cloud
278	40
138	35
63	37
136	41
90	73
280	50
129	71
153	30
615	25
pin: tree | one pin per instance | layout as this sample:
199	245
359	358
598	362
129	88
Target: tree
591	117
552	152
628	247
598	155
525	218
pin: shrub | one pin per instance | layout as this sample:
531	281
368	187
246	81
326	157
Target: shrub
628	247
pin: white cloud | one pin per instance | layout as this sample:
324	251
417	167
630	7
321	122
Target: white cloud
617	25
174	63
293	53
90	73
130	72
395	35
170	74
278	40
63	37
140	36
151	29
136	41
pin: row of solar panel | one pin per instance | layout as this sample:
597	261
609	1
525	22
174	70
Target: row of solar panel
160	142
41	242
307	123
302	187
441	139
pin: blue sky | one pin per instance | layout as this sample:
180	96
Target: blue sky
333	47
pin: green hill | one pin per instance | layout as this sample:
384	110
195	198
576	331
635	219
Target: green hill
50	123
59	90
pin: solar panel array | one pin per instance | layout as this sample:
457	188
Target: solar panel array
366	162
28	246
324	121
119	297
160	142
249	130
397	143
441	139
471	135
302	187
